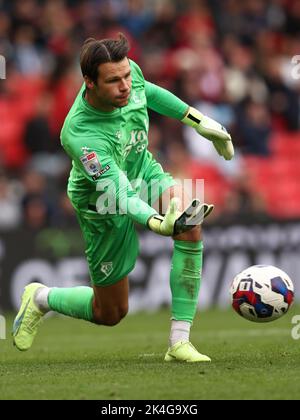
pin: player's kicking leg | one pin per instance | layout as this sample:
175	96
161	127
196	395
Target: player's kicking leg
105	303
185	284
100	305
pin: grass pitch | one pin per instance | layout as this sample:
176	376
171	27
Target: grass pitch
72	359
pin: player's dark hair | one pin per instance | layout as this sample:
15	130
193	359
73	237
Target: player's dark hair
95	52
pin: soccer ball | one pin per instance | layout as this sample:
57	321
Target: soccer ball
262	293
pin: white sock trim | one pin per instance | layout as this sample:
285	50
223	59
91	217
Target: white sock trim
180	331
41	299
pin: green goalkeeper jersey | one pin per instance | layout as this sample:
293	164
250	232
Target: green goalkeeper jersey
110	148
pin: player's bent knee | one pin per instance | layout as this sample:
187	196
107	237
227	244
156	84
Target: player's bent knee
123	311
112	318
111	321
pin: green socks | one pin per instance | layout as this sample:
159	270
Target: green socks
185	279
73	301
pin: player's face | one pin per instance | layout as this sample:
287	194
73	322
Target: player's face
113	85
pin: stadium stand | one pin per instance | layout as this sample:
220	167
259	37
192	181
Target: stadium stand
229	56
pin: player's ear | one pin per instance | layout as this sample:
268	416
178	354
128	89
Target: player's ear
88	82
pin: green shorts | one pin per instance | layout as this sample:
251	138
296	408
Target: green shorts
112	243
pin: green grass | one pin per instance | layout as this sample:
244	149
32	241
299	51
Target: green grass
75	360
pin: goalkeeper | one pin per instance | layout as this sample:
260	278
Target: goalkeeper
106	136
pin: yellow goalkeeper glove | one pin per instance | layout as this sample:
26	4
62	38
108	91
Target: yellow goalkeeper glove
175	222
211	130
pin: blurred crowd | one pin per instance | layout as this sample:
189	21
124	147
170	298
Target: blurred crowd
231	59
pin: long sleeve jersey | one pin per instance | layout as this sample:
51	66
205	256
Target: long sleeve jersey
109	149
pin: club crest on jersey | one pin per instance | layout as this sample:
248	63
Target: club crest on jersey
136	97
91	163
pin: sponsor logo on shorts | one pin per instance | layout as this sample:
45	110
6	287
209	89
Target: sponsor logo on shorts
107	268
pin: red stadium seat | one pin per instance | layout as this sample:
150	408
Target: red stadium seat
286	145
11	142
277	177
215	185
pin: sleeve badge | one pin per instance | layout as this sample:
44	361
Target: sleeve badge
91	163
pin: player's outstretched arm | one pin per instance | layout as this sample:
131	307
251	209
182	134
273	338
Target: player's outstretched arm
165	103
211	130
176	222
